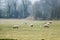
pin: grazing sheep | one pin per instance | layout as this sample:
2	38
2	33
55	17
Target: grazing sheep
16	26
46	25
31	25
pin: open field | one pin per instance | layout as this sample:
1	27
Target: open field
25	32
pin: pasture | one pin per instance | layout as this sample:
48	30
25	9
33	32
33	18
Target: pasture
25	32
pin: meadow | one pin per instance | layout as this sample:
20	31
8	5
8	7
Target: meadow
25	32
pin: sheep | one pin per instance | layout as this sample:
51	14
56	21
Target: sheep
31	25
16	26
47	24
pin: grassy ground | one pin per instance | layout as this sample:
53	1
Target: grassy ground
25	32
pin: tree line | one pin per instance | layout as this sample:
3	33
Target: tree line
42	9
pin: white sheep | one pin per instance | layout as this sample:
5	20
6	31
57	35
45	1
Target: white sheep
31	25
47	24
15	26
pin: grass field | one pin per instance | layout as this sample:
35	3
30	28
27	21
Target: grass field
25	32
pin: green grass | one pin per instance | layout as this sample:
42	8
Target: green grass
25	32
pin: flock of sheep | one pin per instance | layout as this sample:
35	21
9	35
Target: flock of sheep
46	25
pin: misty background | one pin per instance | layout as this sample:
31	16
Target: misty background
30	9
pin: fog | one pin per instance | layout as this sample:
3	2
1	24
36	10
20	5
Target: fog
38	9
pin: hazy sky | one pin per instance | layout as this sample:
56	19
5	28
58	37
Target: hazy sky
33	1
